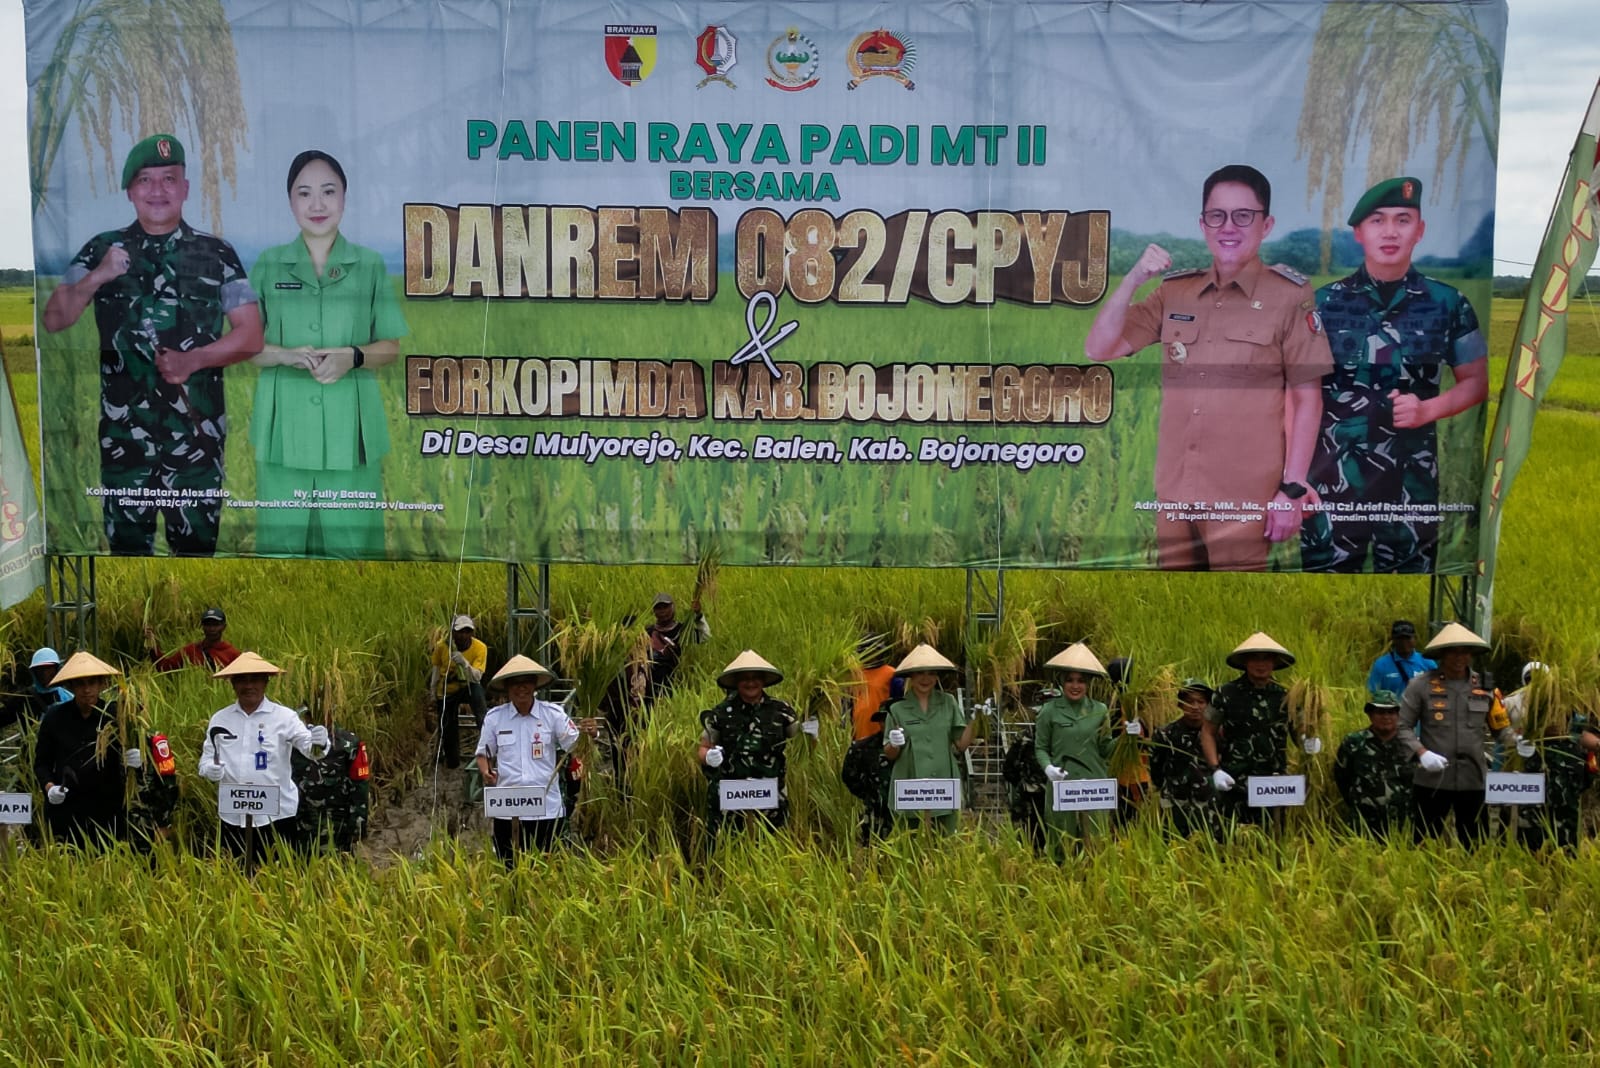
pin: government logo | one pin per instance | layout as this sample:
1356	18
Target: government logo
881	54
715	51
792	62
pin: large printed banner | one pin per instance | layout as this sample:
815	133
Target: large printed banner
1097	285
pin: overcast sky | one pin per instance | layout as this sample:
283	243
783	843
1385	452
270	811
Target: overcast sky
1552	63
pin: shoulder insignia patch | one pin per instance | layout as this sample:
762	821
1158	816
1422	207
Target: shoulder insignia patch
1184	273
1290	273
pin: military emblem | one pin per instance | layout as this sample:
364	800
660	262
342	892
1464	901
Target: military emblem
630	52
715	51
1408	189
1180	351
164	148
881	53
792	62
1314	322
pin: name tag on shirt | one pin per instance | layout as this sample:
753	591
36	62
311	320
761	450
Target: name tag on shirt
1513	788
927	795
514	802
246	799
287	285
747	795
1079	795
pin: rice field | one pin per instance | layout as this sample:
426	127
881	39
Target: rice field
1315	947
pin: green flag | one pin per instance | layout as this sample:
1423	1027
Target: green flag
21	525
1563	261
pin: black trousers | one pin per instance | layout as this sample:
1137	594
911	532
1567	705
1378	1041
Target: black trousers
449	708
1432	806
515	836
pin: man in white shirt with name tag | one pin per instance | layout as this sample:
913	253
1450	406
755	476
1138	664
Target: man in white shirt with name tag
248	743
519	746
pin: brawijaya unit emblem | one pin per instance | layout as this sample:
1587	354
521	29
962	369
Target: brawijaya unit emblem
630	52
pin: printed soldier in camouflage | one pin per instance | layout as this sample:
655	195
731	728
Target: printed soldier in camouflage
1374	770
1565	758
1178	766
334	790
162	294
1392	332
745	737
1246	729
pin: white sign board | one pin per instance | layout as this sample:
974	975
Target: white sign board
927	795
16	808
1514	788
514	802
1078	795
1275	791
246	799
745	795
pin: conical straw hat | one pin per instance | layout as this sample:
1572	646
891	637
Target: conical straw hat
1453	636
83	666
924	658
748	661
248	664
521	667
1259	642
1077	657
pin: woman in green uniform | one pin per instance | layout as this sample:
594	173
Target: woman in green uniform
925	731
1072	739
318	425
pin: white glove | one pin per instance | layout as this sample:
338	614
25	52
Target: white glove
455	655
56	795
1432	761
714	757
1221	781
1311	744
897	738
1054	774
812	727
319	737
1525	748
133	759
211	771
1133	728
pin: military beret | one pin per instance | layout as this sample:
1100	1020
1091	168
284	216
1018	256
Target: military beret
157	150
1393	193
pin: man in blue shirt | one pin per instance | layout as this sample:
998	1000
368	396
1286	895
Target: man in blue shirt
1400	664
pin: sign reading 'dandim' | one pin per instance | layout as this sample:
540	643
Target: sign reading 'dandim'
1080	795
1514	788
746	795
247	799
16	808
927	795
1275	791
514	802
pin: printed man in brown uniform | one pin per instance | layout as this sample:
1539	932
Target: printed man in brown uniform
1241	346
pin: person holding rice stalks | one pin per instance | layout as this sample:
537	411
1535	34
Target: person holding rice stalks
212	650
1072	739
520	745
78	761
1447	716
455	678
1374	770
249	741
1247	725
668	635
1566	756
925	732
1178	765
746	736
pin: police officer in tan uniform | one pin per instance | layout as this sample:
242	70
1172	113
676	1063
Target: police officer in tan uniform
1447	716
1242	361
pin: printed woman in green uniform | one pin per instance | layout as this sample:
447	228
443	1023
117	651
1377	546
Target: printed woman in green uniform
1072	739
318	425
926	732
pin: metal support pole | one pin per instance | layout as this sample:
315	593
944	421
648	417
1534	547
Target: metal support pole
986	606
1453	599
72	619
528	623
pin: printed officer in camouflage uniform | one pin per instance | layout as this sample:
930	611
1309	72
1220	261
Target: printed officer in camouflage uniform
161	292
1392	331
1246	729
1178	765
1565	756
1374	768
745	737
334	791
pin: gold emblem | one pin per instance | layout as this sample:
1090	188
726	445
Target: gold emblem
1256	304
1438	715
1180	352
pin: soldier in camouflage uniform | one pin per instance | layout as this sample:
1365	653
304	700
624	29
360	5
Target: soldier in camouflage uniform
1178	766
156	797
1566	758
1392	331
334	792
745	737
162	292
1374	770
1246	729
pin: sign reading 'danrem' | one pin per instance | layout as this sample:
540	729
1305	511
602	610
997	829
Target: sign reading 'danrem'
1513	788
661	288
927	795
1076	795
514	802
1275	791
737	795
16	808
247	799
